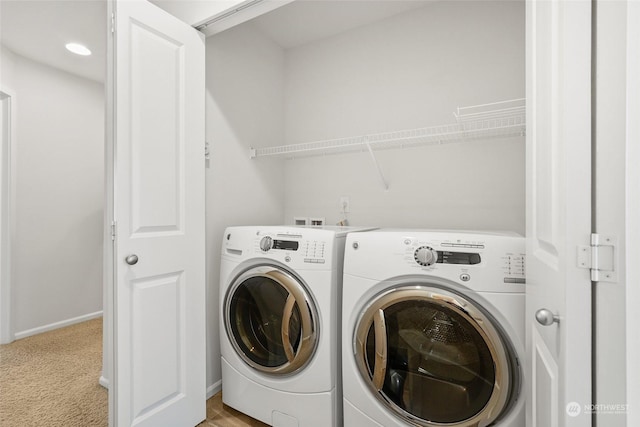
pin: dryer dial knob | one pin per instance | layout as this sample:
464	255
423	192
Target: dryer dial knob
266	243
425	256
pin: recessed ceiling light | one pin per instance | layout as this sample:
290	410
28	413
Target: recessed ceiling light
78	49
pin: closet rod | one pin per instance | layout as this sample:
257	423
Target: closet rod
225	15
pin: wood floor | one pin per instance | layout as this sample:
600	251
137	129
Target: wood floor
221	415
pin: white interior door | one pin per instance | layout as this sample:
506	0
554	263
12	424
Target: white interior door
558	55
159	300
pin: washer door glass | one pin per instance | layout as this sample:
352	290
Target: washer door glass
434	359
271	320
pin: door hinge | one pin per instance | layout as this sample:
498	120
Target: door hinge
113	23
113	230
600	258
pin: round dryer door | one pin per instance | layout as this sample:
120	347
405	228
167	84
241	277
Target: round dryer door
435	359
271	320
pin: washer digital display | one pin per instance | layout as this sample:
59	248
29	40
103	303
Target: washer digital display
467	258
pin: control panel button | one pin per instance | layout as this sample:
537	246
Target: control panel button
425	256
266	243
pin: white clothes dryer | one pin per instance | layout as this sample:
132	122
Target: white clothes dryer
433	329
280	289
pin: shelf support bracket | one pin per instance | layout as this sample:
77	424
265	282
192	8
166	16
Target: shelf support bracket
385	185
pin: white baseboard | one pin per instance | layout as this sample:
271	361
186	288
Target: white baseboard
214	389
57	325
104	382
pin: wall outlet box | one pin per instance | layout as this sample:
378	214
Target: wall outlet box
316	222
298	220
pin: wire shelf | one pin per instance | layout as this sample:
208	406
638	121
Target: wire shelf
487	121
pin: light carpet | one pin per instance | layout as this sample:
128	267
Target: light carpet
51	379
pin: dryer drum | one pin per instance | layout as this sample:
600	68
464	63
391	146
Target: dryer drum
271	321
433	358
256	319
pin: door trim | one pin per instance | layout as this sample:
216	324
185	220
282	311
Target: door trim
7	209
108	376
632	227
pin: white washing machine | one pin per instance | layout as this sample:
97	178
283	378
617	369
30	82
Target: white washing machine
280	290
433	329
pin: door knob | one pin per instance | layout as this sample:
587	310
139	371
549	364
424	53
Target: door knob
132	259
546	317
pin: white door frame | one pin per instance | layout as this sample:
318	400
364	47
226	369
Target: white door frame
107	378
632	203
7	217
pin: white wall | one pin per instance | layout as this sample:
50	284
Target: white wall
244	108
7	66
409	71
57	251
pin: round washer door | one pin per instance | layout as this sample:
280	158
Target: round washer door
271	320
435	359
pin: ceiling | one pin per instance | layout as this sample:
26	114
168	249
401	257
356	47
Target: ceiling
39	29
304	21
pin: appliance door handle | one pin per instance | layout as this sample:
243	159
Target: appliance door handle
380	366
286	318
296	357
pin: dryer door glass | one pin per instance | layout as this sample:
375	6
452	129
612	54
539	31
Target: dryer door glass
431	361
270	321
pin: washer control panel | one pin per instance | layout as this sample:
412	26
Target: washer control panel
481	261
266	243
513	268
425	256
432	253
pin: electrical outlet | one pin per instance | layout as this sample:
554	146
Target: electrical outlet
344	204
316	222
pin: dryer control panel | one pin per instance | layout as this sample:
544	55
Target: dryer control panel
309	248
294	248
